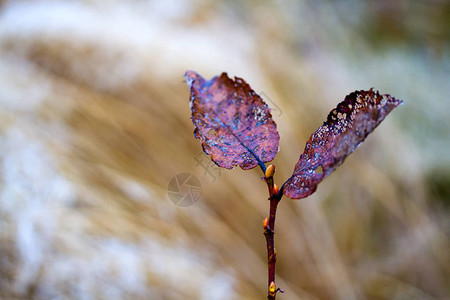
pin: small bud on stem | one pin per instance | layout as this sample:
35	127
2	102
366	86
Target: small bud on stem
272	289
265	223
270	171
275	189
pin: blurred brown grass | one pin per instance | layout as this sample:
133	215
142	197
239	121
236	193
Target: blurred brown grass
95	122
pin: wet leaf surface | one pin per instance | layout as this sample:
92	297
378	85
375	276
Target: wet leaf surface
345	128
232	122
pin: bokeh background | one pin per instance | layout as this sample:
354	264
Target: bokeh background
95	121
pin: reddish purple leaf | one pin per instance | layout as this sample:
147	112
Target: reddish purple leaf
233	123
346	127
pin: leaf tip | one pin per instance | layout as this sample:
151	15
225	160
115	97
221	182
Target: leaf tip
190	77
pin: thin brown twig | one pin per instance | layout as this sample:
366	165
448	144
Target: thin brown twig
269	232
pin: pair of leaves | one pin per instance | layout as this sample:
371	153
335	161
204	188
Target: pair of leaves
236	128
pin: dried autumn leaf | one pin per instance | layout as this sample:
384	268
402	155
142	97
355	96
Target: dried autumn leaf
346	127
232	122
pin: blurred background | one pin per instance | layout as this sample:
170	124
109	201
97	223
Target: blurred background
95	122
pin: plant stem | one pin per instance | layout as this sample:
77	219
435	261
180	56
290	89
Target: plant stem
275	195
269	234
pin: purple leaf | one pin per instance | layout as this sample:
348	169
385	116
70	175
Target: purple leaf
346	127
232	122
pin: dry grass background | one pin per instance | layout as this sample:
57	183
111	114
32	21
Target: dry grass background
94	122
